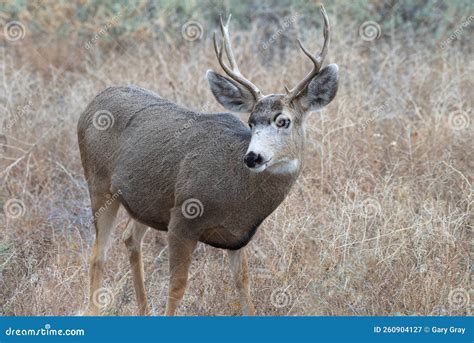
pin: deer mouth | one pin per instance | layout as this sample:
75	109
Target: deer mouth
261	166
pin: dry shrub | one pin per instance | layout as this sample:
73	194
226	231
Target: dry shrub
379	222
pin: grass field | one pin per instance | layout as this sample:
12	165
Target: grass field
380	221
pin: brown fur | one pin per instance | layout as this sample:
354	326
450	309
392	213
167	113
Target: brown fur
156	166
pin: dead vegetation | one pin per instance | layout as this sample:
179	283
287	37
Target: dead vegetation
379	223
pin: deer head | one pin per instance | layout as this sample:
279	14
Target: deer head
276	120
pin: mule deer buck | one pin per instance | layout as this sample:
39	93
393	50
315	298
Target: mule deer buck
213	182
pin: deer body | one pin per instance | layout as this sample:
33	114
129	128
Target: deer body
201	177
157	166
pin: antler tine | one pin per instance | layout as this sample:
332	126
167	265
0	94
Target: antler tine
313	58
317	60
324	51
233	71
218	52
226	42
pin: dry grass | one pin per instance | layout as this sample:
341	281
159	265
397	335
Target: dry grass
379	223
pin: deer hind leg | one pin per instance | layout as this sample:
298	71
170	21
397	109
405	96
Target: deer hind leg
240	271
105	211
181	248
133	238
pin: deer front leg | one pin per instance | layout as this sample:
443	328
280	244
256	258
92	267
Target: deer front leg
180	255
240	271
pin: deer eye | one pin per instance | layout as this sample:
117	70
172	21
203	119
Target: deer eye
282	122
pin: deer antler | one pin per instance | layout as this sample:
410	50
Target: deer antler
317	60
233	71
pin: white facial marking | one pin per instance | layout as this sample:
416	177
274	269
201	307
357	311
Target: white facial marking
259	169
262	143
284	167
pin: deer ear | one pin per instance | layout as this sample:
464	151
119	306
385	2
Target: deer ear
229	93
321	90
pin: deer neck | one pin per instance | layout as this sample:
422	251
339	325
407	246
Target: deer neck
275	182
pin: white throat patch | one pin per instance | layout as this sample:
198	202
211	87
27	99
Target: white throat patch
284	167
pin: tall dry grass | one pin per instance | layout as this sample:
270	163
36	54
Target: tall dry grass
379	222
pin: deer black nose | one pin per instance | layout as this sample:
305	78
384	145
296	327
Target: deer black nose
252	159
